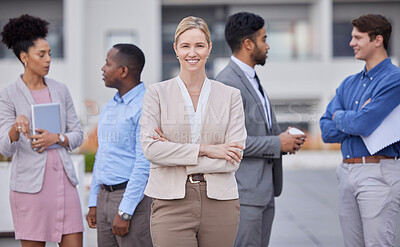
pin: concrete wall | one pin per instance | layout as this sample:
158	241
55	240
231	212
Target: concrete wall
141	18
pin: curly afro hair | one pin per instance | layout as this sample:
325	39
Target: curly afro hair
20	33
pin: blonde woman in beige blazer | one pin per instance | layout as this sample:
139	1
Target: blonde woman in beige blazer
193	133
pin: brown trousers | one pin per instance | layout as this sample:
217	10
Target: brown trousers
194	221
139	228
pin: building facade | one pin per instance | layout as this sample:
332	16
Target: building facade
308	59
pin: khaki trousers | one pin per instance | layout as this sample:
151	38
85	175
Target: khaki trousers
369	202
194	221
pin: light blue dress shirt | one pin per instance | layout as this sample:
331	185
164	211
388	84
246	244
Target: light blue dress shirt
381	84
119	157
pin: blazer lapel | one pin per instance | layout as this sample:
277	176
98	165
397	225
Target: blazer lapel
250	89
25	91
55	98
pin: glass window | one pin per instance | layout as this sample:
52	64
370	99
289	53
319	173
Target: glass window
342	37
55	37
4	52
220	47
300	113
170	65
288	40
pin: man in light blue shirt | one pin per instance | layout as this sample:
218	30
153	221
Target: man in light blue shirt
117	205
369	184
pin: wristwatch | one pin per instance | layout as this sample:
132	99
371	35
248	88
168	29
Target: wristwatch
62	139
124	216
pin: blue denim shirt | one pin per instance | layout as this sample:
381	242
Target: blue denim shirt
119	156
382	85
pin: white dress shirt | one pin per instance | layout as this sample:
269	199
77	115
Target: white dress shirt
195	117
250	74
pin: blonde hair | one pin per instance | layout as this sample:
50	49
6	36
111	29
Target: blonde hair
191	22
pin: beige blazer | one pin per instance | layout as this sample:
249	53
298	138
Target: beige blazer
172	161
28	166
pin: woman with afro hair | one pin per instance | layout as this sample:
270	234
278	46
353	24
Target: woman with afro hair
44	200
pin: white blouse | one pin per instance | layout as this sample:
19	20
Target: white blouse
195	117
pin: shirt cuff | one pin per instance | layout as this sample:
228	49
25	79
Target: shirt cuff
93	197
92	202
337	120
129	207
69	147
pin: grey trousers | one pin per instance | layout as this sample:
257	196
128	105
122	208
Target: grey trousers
255	225
139	228
369	202
195	221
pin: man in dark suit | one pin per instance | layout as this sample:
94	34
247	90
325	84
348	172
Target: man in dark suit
260	173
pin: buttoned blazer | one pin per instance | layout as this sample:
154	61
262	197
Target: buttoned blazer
173	160
28	166
260	174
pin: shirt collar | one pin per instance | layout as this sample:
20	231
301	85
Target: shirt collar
375	70
247	70
130	95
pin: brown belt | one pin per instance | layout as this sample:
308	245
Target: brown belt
368	159
196	178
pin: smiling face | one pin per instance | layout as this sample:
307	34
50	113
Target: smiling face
192	50
38	58
364	48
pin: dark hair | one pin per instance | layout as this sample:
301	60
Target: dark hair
20	33
241	26
374	25
131	56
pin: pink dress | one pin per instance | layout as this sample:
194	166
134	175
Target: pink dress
55	210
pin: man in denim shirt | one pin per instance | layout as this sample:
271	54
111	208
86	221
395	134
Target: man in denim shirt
117	206
369	185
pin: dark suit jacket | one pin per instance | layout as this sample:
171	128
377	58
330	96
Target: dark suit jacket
260	174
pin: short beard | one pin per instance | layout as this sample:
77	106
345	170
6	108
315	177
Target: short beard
258	56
